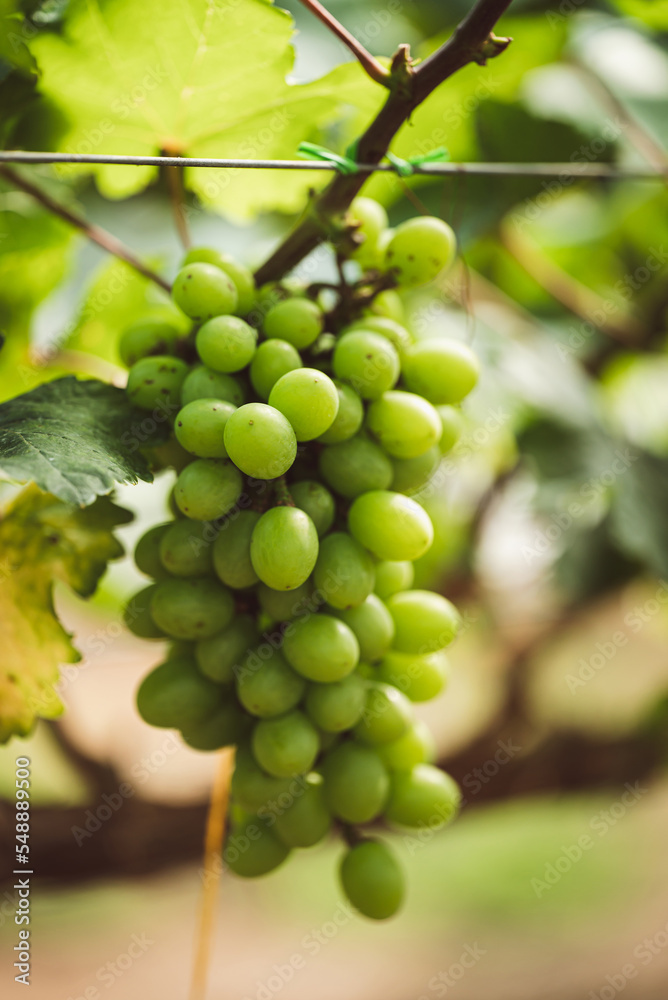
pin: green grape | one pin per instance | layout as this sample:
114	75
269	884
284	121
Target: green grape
298	321
155	383
372	879
251	787
422	796
321	648
208	488
391	577
371	219
145	338
316	501
282	605
199	427
231	551
373	627
389	304
337	706
192	609
443	371
344	570
224	728
137	615
202	383
176	696
147	552
268	687
349	417
397	334
284	547
420	678
357	783
420	249
307	819
354	467
452	424
406	425
260	441
220	657
185	548
203	290
286	745
424	622
226	343
390	525
416	746
367	361
272	359
386	716
254	850
411	474
309	400
240	275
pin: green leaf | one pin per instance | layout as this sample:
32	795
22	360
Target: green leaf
652	12
639	521
42	541
15	33
74	439
196	78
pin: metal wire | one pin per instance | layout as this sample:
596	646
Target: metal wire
563	170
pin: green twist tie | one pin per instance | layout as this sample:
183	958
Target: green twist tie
311	151
405	168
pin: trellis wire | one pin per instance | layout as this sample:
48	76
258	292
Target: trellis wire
601	171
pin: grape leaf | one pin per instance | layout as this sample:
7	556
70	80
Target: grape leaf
74	439
197	78
44	540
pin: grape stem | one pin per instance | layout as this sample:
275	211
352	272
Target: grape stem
174	177
472	41
369	63
94	233
282	495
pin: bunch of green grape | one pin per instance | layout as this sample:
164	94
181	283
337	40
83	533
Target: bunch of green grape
284	580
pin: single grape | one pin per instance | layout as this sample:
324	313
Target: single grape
260	441
254	850
397	334
390	525
202	383
147	552
405	424
252	788
336	706
316	501
424	622
145	338
192	608
349	416
155	383
443	371
284	547
344	570
137	615
309	400
282	605
186	548
208	488
299	321
321	648
203	290
231	551
354	467
372	879
286	745
226	727
420	678
411	474
199	427
226	343
367	361
373	627
420	249
452	424
221	656
241	276
416	746
387	303
370	219
357	782
386	716
424	796
175	695
268	687
306	820
272	359
391	577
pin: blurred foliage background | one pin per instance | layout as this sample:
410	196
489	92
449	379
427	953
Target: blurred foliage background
551	512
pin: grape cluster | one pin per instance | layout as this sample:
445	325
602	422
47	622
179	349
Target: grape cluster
284	580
